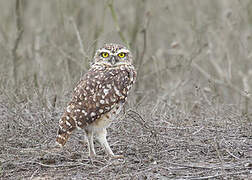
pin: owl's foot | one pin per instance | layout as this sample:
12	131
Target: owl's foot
116	156
92	154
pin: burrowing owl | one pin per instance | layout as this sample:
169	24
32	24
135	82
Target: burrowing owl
99	96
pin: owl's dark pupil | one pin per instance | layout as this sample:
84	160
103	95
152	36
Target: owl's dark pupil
104	54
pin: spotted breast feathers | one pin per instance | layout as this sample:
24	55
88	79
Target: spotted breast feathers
99	91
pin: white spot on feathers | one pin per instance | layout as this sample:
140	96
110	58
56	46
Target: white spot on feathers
106	91
92	114
67	123
61	137
84	93
117	91
58	144
107	107
109	86
94	97
84	112
112	99
60	121
63	129
124	91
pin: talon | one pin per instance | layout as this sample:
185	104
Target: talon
92	155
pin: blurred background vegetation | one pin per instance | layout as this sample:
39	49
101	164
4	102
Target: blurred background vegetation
191	103
185	51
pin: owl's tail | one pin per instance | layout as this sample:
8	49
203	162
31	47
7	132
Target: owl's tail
66	126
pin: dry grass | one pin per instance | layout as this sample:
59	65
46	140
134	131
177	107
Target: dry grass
189	116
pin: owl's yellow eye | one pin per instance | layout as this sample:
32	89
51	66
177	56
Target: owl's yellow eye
121	55
104	54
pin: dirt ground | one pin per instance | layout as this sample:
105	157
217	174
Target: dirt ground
157	143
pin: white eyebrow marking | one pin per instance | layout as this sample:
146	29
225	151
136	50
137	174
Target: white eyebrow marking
122	50
103	50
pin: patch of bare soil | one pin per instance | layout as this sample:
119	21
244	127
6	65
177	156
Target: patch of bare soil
158	141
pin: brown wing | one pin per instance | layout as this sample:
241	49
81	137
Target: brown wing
98	92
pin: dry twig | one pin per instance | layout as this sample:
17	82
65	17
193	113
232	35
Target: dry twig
19	34
115	19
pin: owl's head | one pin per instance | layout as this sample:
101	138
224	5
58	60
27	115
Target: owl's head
113	55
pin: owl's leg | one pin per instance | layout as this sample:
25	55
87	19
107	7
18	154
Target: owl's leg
90	137
101	137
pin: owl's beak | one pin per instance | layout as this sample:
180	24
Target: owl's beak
113	60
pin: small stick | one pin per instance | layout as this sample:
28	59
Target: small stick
19	35
80	41
114	16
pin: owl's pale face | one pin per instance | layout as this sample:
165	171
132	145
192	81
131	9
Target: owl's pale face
113	55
